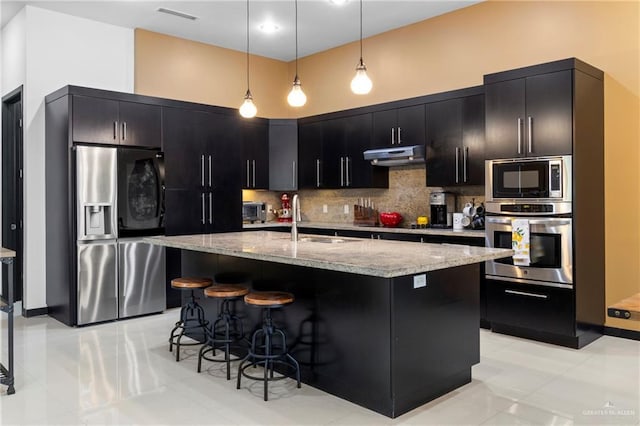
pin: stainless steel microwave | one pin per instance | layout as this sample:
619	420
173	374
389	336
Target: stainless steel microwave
528	180
254	212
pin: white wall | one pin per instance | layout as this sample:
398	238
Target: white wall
13	57
60	50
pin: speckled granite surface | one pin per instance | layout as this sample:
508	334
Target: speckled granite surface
4	252
347	227
379	258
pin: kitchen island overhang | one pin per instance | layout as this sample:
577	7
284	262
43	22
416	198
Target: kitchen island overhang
387	325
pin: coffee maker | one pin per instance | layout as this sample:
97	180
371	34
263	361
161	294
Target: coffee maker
443	204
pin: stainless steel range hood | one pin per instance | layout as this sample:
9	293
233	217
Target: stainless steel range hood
396	156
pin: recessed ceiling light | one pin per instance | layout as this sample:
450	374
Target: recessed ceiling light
177	13
338	2
268	27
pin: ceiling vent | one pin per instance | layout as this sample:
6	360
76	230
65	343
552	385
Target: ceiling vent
177	13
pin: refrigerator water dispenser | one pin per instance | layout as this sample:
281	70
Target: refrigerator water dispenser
97	219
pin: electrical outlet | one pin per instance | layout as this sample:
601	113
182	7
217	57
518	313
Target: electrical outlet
420	281
325	209
269	207
346	209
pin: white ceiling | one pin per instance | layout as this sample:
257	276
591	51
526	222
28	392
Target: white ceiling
321	24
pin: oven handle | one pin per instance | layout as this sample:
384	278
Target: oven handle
546	221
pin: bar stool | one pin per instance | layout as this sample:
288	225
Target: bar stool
264	351
191	314
227	329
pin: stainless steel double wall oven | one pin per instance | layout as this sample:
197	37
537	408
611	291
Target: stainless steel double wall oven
539	190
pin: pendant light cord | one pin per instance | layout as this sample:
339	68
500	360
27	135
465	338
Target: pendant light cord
247	45
296	38
360	31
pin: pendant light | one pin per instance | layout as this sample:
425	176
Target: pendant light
248	108
361	83
296	97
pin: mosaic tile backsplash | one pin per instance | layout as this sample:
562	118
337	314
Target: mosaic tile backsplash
407	195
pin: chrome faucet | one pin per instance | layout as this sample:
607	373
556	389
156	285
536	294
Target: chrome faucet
295	214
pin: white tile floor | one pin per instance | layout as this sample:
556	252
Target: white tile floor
123	373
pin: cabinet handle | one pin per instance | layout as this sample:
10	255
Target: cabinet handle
253	167
525	293
341	171
211	208
248	173
347	160
203	212
393	136
399	137
124	130
202	169
530	129
457	165
210	174
519	135
465	154
115	130
318	173
293	174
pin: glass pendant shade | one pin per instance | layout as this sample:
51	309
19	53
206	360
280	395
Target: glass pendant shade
296	97
248	108
361	83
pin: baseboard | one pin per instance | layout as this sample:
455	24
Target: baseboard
621	332
28	313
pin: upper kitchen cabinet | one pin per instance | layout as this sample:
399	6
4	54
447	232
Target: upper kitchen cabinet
283	155
255	153
110	121
310	154
529	112
455	141
399	126
202	176
330	152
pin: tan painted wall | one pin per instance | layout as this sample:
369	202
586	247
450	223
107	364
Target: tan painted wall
449	52
175	68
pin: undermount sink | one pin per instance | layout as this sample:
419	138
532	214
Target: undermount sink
326	240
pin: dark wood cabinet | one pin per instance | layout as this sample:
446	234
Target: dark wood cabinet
202	173
283	155
540	308
108	121
255	153
399	126
530	116
455	142
310	155
331	154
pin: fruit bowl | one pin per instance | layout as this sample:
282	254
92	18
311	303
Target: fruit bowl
390	219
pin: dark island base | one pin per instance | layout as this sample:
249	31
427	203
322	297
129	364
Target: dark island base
376	342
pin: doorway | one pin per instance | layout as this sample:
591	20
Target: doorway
12	187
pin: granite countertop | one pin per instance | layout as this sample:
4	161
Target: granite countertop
373	229
5	253
378	258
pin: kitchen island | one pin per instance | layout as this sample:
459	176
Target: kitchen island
387	325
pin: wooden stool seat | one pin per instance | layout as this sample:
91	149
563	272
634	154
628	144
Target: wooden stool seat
191	283
223	291
268	298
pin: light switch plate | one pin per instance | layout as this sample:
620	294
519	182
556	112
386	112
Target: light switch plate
420	281
346	209
325	209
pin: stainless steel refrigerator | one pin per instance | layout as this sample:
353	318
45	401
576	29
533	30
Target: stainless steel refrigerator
119	199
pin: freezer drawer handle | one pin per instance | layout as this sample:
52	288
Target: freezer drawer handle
524	293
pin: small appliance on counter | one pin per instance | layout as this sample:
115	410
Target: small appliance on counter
443	204
254	211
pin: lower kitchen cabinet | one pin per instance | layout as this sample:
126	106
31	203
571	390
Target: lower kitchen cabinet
539	309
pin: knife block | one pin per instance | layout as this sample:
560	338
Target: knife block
365	216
